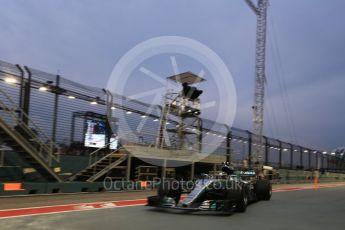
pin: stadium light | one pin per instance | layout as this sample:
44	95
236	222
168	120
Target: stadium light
46	86
71	97
43	88
129	112
95	101
10	80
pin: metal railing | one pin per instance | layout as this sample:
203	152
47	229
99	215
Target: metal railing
94	156
43	144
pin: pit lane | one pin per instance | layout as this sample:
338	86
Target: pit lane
296	209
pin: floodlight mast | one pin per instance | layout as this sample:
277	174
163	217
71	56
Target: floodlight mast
260	11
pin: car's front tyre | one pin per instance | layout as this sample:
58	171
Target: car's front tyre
170	188
242	202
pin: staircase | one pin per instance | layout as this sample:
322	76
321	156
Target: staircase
102	166
26	139
162	132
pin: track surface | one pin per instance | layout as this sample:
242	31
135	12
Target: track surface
300	209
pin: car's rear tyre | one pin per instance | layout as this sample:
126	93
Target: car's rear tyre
242	202
263	189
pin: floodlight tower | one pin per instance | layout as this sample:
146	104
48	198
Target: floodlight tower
184	106
260	11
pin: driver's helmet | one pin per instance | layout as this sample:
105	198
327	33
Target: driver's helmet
227	168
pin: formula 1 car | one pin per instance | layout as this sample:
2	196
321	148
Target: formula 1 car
228	192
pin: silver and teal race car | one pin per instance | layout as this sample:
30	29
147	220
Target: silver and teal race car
223	194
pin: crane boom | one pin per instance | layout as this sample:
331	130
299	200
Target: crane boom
259	91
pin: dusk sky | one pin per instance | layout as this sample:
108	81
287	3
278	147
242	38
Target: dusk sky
83	40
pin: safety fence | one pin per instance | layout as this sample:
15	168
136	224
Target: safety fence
61	108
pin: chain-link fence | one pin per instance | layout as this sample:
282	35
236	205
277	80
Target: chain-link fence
61	109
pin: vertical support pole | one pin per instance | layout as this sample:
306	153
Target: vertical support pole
56	105
200	134
21	87
128	169
309	159
110	122
27	93
72	129
164	167
2	157
192	170
280	154
267	149
214	167
162	125
340	164
322	158
291	155
317	164
228	146
250	150
301	157
332	162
